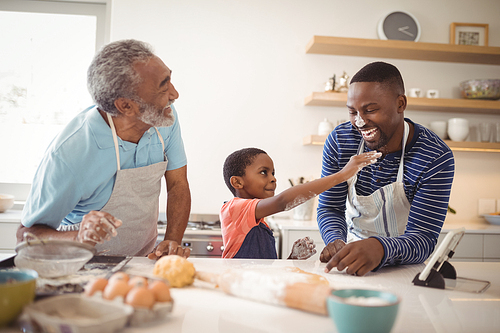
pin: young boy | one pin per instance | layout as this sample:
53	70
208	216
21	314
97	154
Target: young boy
249	175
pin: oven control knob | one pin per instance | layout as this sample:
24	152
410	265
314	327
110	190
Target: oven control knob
222	248
210	247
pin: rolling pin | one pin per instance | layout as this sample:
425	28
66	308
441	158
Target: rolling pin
290	287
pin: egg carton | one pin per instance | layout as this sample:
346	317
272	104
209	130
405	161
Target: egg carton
140	315
78	314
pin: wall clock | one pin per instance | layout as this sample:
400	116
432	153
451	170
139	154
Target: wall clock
399	25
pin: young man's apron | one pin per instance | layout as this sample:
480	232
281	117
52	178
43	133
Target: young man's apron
134	200
384	212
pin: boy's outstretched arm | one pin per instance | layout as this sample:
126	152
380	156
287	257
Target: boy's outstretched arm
299	194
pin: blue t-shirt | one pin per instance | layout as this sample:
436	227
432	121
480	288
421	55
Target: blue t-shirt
77	173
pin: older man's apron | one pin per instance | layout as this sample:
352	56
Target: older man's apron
382	213
134	200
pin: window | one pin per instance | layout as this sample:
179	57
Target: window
43	65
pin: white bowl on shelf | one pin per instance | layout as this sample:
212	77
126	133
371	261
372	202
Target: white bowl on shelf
493	219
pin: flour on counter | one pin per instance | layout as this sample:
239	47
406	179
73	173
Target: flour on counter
366	301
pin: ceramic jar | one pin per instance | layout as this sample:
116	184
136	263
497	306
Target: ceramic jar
458	129
325	127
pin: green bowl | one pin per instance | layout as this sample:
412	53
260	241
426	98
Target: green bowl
360	310
17	289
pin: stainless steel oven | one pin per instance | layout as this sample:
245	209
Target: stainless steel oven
203	235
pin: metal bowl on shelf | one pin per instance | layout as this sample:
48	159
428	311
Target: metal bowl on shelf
480	89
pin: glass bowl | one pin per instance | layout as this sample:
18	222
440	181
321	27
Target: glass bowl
480	89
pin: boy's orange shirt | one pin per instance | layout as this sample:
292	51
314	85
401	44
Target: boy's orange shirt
237	217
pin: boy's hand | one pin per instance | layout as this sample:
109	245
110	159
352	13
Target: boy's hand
358	162
303	248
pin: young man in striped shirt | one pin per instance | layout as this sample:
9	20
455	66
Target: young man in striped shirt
392	212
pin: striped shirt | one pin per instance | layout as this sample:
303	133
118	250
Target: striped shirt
428	174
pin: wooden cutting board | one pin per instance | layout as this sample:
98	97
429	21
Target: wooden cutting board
287	286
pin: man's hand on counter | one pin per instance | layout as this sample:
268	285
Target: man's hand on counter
358	258
168	247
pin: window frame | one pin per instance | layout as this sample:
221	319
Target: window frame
99	8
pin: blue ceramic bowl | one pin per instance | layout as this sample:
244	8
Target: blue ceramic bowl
17	288
360	310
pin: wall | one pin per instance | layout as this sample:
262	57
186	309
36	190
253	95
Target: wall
242	73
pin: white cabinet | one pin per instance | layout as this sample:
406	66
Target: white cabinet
491	247
8	237
476	245
9	222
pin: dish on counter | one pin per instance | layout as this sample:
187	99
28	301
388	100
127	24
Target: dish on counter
52	258
75	313
363	310
17	288
6	202
493	218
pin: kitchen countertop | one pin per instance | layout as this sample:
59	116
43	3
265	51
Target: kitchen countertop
482	227
199	308
422	309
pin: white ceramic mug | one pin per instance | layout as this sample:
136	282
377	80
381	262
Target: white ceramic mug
458	129
415	92
440	128
432	93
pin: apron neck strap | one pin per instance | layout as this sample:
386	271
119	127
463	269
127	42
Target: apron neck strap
115	139
403	148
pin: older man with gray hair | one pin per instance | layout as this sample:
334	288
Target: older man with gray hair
100	179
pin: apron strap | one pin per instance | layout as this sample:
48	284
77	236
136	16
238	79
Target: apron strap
405	138
115	139
162	144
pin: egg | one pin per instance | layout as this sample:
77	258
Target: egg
115	288
119	276
161	291
140	297
95	285
138	281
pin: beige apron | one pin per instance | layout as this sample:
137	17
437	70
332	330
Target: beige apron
135	201
382	213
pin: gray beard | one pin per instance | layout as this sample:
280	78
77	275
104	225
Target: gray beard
153	116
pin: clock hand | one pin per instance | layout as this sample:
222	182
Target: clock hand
403	30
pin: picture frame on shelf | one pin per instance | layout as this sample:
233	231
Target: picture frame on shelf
469	34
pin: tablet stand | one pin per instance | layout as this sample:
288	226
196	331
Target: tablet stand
436	278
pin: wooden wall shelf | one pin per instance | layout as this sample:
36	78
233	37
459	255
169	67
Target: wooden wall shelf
490	147
397	49
418	104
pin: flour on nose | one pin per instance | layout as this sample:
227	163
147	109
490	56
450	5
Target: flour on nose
359	121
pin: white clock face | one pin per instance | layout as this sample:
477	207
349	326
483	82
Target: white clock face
400	26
